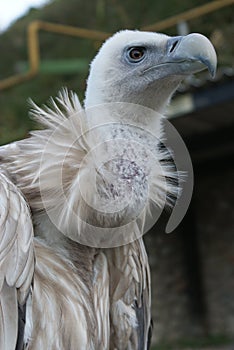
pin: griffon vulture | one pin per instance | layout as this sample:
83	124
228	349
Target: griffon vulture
76	195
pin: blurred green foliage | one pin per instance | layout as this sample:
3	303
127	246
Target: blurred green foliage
106	15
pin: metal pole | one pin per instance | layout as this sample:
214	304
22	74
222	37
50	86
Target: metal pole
188	15
33	47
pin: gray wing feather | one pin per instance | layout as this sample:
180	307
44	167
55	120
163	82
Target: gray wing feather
130	296
16	258
8	317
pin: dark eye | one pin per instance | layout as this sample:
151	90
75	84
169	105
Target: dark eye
136	54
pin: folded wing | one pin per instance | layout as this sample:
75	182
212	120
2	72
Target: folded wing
16	258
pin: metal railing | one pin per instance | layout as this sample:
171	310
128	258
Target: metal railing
36	26
34	47
189	15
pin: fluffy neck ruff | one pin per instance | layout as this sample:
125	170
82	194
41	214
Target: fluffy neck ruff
91	179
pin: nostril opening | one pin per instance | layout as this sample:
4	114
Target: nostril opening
174	46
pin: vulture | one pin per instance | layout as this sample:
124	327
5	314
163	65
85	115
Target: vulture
80	192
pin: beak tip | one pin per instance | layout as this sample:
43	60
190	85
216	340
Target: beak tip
213	73
212	70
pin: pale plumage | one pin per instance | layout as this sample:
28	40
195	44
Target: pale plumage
90	179
16	258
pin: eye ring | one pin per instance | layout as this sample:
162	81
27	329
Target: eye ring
136	53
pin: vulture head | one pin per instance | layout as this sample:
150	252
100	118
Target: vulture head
146	68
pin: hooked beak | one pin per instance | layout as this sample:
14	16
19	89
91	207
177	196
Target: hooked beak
191	54
187	55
